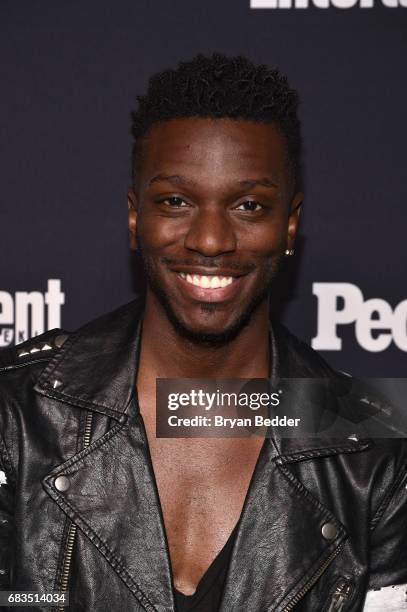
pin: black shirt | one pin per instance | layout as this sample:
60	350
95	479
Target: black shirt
207	596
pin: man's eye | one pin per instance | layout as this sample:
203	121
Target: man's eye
175	202
250	206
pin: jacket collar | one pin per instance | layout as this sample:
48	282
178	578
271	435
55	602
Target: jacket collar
311	389
95	368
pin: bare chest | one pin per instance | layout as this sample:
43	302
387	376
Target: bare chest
202	485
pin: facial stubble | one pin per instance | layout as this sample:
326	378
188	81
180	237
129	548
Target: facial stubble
209	308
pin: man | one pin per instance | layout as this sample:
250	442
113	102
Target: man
92	502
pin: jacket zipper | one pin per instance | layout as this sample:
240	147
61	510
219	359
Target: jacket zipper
340	596
312	581
70	541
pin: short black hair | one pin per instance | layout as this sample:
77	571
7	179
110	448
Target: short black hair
220	87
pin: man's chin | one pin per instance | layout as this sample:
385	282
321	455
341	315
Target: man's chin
209	336
211	329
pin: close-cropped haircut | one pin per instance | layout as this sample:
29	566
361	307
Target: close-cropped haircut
220	87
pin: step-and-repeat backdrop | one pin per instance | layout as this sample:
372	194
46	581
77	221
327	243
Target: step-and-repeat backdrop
69	73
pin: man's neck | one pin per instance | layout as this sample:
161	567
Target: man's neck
165	353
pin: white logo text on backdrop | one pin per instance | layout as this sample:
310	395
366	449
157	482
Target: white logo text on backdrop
376	324
324	4
29	313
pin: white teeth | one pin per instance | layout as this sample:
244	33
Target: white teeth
207	282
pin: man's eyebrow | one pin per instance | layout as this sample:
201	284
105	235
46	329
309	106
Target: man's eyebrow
264	182
177	179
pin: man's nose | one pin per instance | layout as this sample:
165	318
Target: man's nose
211	233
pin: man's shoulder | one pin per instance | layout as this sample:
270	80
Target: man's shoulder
67	366
365	403
20	367
37	350
42	348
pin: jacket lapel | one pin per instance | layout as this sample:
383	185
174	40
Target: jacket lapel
279	545
280	550
112	498
112	495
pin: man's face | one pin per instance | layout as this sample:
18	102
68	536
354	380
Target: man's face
212	212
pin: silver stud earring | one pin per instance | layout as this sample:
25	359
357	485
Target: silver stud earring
289	252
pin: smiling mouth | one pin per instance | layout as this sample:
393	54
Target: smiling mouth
207	282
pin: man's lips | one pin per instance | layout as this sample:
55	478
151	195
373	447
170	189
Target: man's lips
213	286
213	271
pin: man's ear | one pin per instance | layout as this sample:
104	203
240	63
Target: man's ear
132	218
293	219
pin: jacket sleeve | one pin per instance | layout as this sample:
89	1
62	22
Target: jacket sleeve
388	554
6	518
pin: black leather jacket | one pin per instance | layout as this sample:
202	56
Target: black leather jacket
323	520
